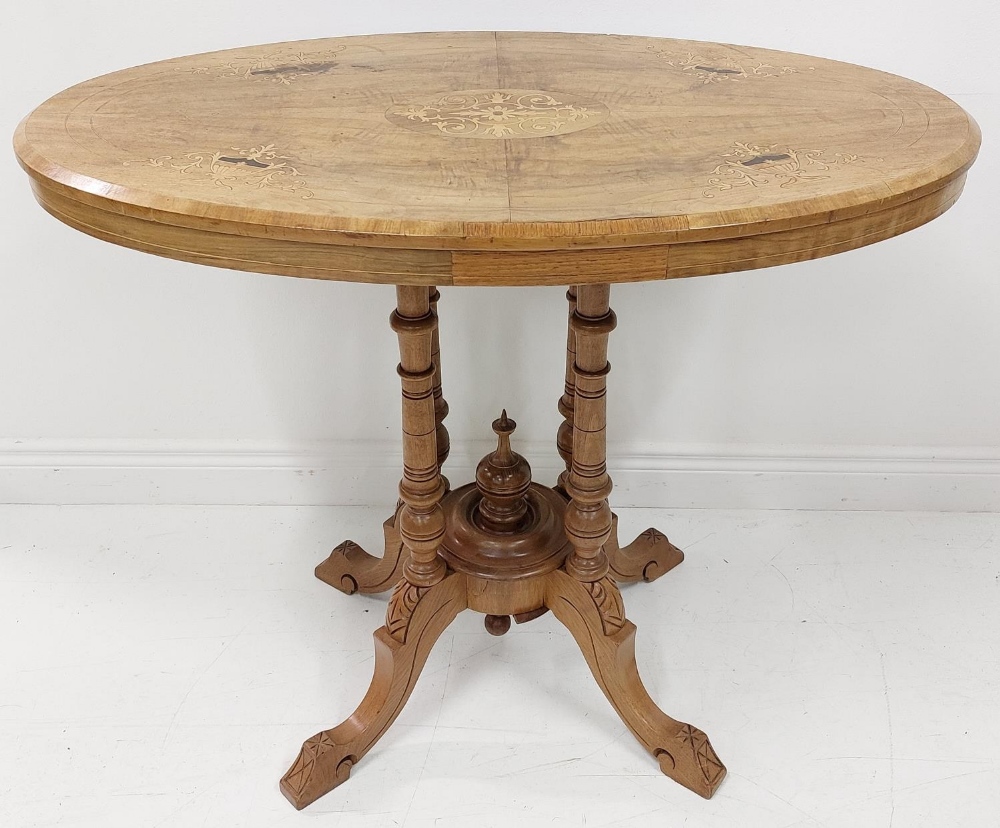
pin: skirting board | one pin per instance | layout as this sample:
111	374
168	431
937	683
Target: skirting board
357	473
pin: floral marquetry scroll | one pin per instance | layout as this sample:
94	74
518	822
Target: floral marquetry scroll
328	159
500	113
716	69
259	168
281	67
753	165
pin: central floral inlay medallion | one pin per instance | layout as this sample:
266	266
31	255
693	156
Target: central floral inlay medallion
500	113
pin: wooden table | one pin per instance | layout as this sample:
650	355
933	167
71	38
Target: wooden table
498	158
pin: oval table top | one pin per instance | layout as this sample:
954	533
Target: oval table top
497	158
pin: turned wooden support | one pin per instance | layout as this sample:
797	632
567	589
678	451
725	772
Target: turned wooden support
503	478
564	437
420	521
440	404
588	515
350	568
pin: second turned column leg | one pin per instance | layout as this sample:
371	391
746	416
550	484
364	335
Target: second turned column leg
564	437
420	518
350	568
588	515
440	403
651	554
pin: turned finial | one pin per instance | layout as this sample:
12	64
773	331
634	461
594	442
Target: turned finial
503	478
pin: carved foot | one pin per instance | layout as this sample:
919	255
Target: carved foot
350	569
415	619
645	559
595	615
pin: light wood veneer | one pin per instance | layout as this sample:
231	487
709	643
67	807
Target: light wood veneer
497	158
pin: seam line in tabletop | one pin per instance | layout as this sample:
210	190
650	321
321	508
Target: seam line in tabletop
506	144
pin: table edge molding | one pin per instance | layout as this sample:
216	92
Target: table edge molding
775	244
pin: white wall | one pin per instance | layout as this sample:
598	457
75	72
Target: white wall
867	380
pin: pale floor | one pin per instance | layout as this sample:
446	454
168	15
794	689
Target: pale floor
161	665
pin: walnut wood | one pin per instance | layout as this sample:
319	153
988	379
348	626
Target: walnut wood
668	158
648	557
519	598
564	437
497	624
421	521
440	404
498	158
592	611
416	618
503	479
595	615
588	515
538	546
350	569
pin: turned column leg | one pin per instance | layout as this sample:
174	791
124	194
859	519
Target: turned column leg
350	568
588	515
564	437
651	554
440	404
420	518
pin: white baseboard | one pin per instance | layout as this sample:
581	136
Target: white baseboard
357	473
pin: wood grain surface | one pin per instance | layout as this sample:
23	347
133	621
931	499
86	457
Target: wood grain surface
496	158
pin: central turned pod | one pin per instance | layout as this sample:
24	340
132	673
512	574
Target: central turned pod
503	479
502	529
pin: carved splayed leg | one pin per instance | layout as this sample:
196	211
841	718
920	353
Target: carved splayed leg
592	613
416	618
648	557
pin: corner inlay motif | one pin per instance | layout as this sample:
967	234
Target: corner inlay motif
753	165
716	69
500	114
281	67
257	168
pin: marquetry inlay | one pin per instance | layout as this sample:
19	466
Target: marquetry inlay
715	68
320	159
752	165
280	66
258	168
500	113
337	158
